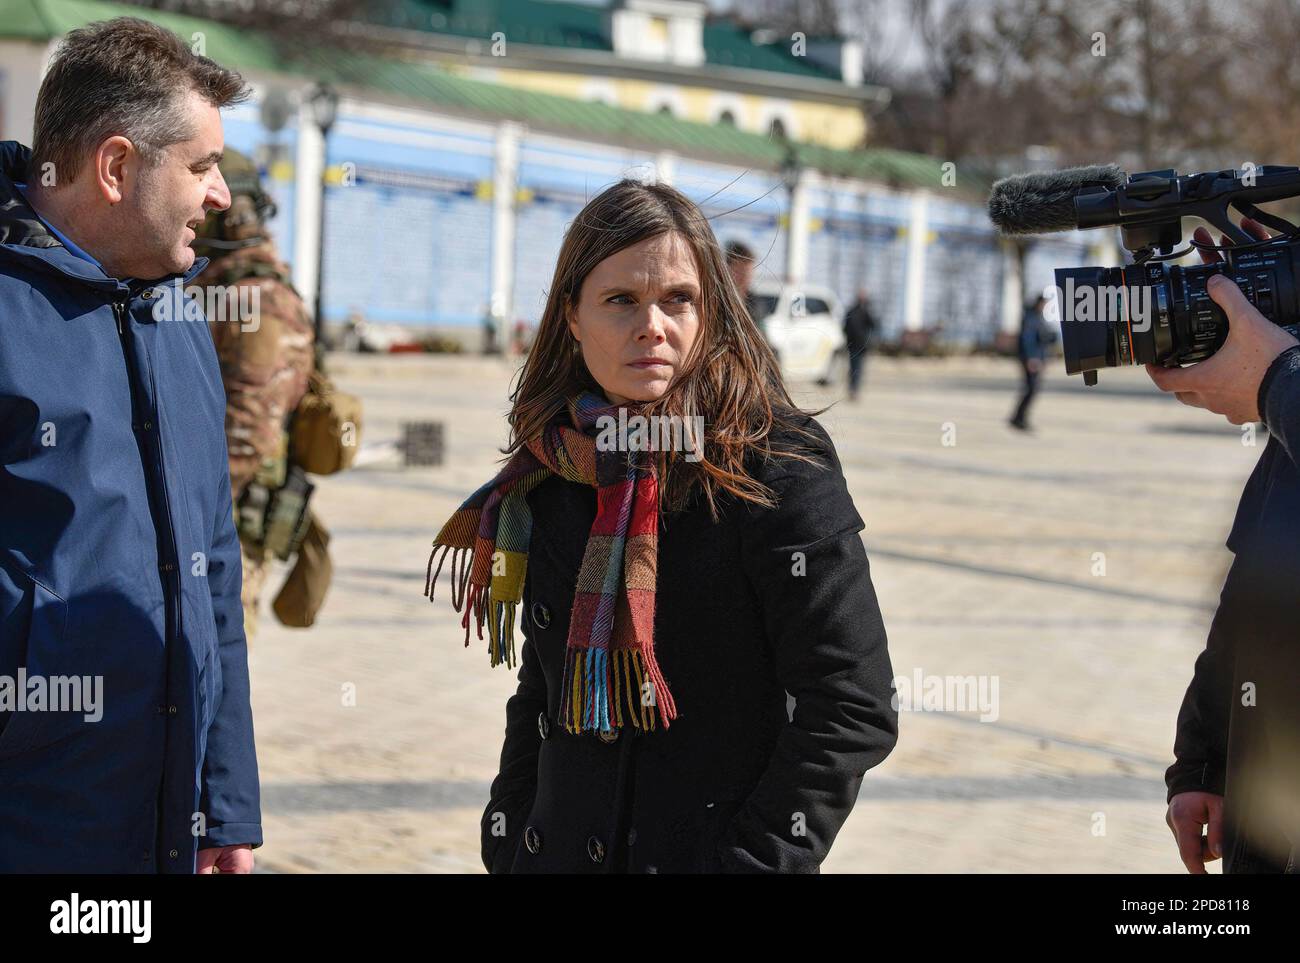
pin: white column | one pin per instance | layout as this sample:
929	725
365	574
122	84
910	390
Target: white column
1013	285
665	166
914	290
22	67
309	169
796	248
1104	249
505	184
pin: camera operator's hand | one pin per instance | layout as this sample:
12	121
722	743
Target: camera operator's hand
1188	813
1228	382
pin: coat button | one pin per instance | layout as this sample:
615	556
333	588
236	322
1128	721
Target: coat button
174	853
533	840
608	736
596	850
541	615
543	725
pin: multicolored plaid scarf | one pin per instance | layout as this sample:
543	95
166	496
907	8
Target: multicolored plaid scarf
611	678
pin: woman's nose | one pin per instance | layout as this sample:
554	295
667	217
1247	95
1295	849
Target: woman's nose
652	323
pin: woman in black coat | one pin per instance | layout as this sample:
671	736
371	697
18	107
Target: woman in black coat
672	594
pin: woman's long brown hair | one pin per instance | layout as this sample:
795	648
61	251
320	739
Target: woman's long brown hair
730	375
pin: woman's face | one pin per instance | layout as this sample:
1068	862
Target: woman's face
637	317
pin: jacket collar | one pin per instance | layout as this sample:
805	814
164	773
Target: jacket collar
24	235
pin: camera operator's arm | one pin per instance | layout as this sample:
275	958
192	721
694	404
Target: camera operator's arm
1279	400
1229	383
1196	779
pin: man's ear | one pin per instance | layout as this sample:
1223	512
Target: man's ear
116	160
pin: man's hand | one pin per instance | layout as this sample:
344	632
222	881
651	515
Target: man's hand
227	859
1188	812
1228	382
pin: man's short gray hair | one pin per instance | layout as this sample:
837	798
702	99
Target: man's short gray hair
124	77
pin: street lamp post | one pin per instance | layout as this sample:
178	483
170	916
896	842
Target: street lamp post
790	178
323	102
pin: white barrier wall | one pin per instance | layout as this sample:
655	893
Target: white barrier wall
22	65
432	220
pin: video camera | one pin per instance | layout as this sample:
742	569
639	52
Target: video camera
1150	311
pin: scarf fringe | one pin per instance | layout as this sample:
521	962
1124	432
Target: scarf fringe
601	691
465	596
501	634
461	557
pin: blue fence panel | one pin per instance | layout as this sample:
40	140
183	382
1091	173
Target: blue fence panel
741	205
857	242
556	180
963	274
243	130
410	240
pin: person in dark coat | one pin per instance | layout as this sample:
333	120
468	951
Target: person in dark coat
1032	352
859	329
119	563
668	598
740	265
1234	787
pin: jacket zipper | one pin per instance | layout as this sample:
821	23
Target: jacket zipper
171	608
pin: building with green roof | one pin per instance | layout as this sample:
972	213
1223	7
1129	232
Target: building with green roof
439	173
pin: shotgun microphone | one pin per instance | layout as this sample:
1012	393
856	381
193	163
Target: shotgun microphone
1042	202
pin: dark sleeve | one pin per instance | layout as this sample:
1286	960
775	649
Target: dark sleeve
230	793
1279	400
516	783
1201	741
808	570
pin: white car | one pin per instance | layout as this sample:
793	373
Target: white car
806	328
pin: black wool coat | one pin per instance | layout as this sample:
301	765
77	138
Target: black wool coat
1239	727
758	604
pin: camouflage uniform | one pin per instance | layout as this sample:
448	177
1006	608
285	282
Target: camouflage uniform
266	356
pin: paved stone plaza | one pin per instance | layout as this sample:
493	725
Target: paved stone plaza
1077	568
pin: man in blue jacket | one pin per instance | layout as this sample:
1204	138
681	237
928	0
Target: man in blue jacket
119	563
1234	788
1032	350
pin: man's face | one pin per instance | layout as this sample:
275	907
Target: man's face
169	200
742	273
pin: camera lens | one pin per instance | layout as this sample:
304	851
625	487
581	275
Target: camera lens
1157	313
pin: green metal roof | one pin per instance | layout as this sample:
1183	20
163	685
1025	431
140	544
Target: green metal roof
728	45
582	26
548	24
47	19
426	84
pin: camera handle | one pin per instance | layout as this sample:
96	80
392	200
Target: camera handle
1149	209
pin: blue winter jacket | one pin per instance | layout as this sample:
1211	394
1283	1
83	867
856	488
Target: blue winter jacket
118	562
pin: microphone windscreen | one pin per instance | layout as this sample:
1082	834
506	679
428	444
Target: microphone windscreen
1043	201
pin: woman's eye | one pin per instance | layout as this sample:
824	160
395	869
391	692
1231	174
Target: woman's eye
620	299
